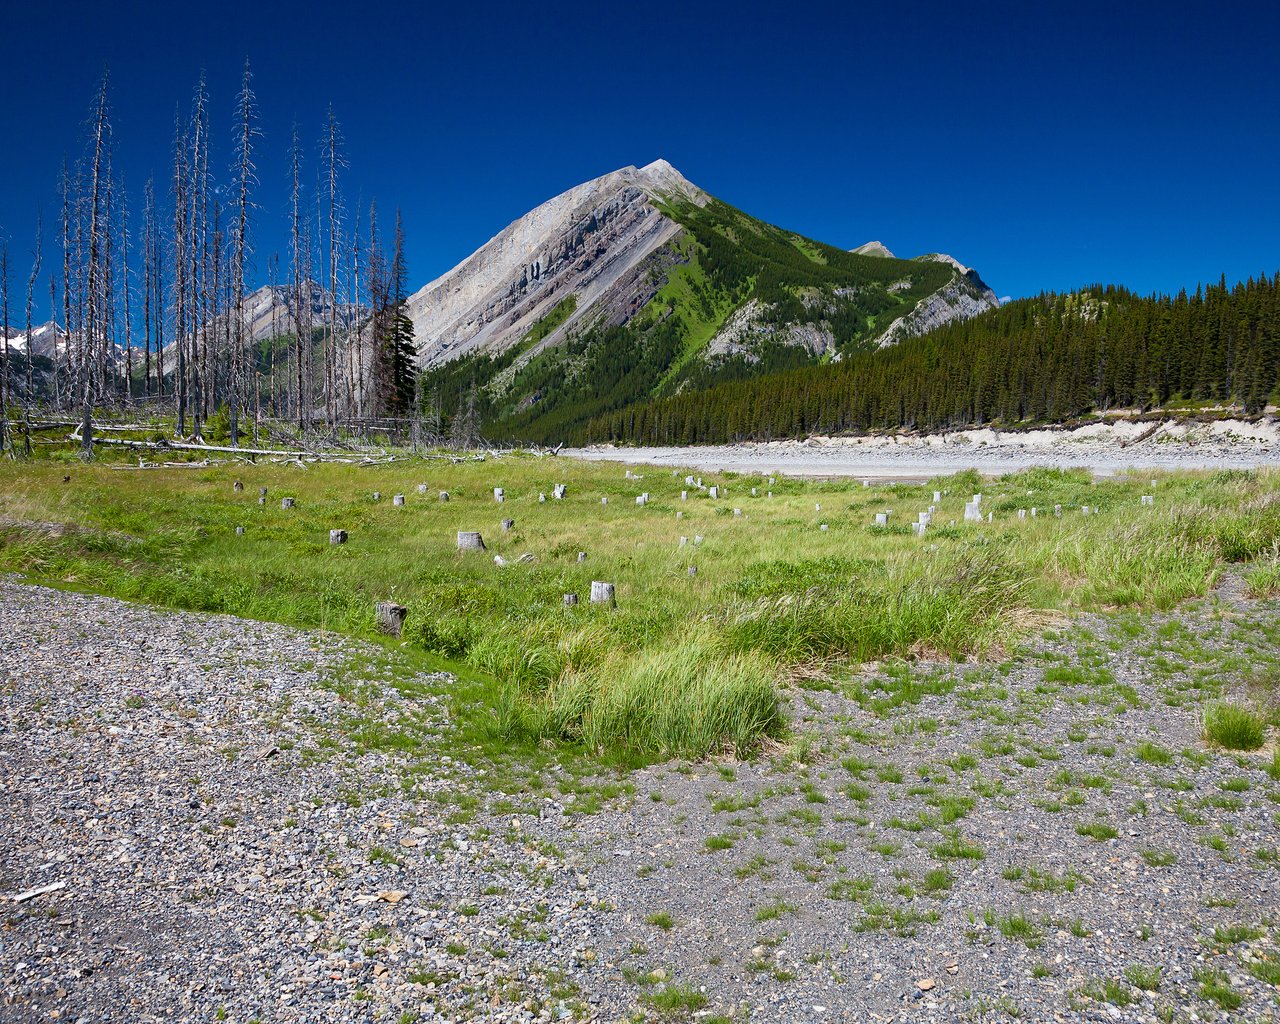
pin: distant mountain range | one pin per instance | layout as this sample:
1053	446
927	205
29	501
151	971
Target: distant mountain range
640	284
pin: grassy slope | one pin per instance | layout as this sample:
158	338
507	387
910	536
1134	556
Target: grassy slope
685	663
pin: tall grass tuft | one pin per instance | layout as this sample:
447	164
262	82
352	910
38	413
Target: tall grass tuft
1234	727
677	702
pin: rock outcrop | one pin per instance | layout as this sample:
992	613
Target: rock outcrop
593	242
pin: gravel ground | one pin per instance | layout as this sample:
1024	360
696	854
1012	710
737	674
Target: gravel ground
251	822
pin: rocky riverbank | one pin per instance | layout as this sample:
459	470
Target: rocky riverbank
206	818
1106	448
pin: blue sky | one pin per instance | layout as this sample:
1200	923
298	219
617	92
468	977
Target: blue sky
1049	148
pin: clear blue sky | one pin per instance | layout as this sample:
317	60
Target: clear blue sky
1129	143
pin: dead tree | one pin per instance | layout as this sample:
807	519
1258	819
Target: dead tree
296	255
29	395
246	179
94	314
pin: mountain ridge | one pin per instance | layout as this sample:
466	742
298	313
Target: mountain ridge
641	283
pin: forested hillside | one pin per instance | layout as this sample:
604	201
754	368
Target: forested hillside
1043	359
730	298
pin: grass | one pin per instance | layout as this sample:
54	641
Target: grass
1234	727
684	666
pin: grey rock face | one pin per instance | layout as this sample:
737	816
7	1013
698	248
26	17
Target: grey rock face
593	241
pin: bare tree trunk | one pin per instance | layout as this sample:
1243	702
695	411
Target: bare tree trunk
31	291
101	140
180	274
296	202
4	375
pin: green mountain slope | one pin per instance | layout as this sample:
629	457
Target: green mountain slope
729	298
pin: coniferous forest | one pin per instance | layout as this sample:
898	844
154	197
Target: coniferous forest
1043	359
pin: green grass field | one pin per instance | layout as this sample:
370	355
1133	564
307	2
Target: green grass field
684	665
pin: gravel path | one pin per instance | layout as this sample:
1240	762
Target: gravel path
251	822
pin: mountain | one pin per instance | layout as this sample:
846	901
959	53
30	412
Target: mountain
43	339
639	284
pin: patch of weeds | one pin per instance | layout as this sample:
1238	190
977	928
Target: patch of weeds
674	998
1098	831
1216	988
773	911
1234	727
1144	977
661	919
955	847
1159	858
1232	934
714	843
1015	926
1153	753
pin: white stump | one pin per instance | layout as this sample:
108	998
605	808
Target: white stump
570	600
507	524
444	495
882	519
714	493
601	593
582	556
470	540
397	499
286	503
390	617
497	494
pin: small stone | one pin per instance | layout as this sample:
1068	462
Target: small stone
925	984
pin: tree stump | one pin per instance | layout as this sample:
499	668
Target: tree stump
679	514
397	499
582	556
422	488
823	527
239	531
470	540
972	514
444	495
693	570
684	541
286	503
337	536
1057	510
497	494
737	511
507	524
390	617
882	519
1148	499
753	492
570	600
714	493
697	539
937	497
237	487
684	495
817	506
377	495
602	593
604	500
542	499
558	491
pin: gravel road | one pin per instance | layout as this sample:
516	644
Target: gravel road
248	822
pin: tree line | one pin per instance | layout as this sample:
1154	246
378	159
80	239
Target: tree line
154	309
1044	359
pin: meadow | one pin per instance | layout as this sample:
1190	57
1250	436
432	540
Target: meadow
684	664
